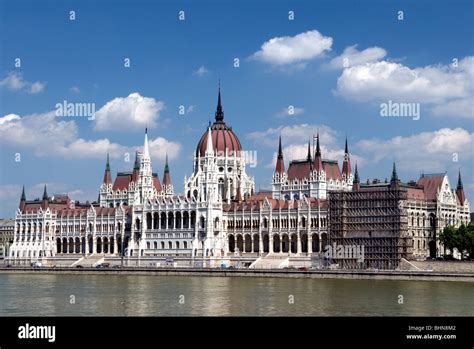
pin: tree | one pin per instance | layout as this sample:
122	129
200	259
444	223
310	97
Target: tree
447	238
461	242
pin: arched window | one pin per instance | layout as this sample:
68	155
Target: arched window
170	245
177	245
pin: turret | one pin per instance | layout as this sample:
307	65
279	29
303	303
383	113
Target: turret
280	164
460	190
318	163
356	183
107	176
44	202
394	181
346	165
23	200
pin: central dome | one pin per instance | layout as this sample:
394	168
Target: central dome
223	138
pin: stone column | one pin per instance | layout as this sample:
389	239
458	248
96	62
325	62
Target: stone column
298	244
310	243
270	243
320	243
260	243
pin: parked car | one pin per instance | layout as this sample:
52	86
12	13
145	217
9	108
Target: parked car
36	265
303	269
79	266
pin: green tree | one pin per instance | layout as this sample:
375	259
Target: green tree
461	240
447	238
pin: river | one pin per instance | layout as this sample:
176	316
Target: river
125	295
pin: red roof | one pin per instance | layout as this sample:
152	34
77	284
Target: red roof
416	194
332	170
299	169
431	185
222	138
122	181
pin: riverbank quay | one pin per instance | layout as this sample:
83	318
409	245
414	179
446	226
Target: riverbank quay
279	273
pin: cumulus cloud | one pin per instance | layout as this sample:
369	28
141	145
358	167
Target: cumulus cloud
201	71
300	48
131	113
446	88
14	82
434	150
290	111
352	57
47	135
455	108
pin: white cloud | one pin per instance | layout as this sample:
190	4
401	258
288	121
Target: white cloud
75	90
352	57
15	82
434	150
293	49
456	108
47	135
290	111
131	113
293	134
434	85
201	71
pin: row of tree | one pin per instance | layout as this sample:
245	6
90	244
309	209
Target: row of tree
461	239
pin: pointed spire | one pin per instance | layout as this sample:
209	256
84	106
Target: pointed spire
167	168
146	151
318	163
209	146
308	157
136	166
356	182
45	193
460	186
346	165
318	150
23	200
107	175
280	164
356	175
219	111
394	174
460	190
166	175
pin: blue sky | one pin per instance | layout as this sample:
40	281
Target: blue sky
406	61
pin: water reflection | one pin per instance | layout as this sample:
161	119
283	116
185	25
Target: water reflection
118	295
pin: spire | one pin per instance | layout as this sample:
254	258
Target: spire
23	200
238	197
219	112
166	175
460	190
346	165
460	186
356	175
209	146
136	166
280	164
45	193
394	174
44	204
146	151
107	175
318	163
308	157
356	183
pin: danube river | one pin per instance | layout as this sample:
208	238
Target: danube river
117	295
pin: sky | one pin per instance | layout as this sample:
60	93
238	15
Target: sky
289	68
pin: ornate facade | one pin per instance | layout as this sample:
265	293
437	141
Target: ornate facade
219	215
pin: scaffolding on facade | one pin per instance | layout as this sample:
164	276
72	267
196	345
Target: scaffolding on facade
371	221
